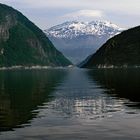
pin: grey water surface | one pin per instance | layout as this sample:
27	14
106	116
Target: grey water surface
70	104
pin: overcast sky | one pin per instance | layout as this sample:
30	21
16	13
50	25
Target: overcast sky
46	13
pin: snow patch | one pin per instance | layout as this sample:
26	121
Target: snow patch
73	29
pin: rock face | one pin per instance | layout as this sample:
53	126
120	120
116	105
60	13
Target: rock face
23	43
123	50
77	39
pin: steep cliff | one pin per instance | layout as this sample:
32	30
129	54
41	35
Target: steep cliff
123	50
23	43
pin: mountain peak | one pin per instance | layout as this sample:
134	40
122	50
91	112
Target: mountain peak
77	39
105	23
72	29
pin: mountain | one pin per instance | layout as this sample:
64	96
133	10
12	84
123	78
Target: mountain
123	50
78	39
23	43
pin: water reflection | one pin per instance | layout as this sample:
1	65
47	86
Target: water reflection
81	97
123	83
22	92
69	104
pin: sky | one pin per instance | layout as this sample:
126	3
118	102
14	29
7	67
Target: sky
47	13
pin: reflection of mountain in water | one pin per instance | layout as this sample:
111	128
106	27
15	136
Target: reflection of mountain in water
45	98
124	83
82	98
21	92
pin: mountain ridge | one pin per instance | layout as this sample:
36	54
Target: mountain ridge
23	43
77	40
122	50
71	29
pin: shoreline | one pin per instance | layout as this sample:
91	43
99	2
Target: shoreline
37	67
117	67
113	67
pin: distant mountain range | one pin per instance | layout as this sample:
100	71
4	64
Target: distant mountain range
23	43
77	40
123	50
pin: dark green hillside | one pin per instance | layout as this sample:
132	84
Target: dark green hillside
123	50
23	43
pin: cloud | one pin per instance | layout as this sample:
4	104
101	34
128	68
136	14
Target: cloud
85	13
45	3
51	12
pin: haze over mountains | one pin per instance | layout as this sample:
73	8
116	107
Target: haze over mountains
23	43
77	40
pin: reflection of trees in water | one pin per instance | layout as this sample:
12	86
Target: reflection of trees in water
21	92
123	83
82	94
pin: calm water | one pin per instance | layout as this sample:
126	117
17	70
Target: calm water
70	104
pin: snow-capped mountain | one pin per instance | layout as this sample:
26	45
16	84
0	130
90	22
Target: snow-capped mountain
73	29
77	39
